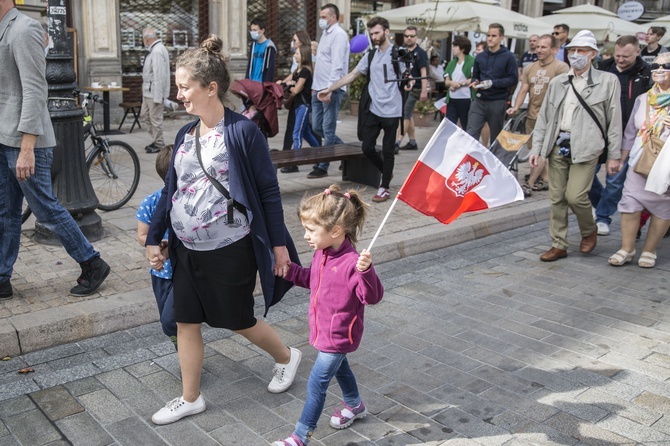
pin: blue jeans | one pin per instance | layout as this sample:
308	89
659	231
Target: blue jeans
50	213
164	294
301	128
605	199
325	367
324	120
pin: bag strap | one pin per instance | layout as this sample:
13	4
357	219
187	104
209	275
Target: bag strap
589	111
229	201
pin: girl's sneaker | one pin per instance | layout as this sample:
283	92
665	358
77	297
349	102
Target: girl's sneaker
342	418
177	409
290	441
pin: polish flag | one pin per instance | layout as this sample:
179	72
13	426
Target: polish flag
456	174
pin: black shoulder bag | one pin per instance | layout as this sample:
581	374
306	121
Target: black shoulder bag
602	159
229	201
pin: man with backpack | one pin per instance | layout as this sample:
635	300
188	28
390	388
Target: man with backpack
385	101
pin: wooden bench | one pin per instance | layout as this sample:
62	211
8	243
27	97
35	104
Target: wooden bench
134	108
356	166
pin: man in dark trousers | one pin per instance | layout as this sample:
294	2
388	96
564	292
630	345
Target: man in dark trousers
494	73
635	78
386	101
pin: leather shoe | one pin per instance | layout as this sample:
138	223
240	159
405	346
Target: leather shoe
554	254
588	243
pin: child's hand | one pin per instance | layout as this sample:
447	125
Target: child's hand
364	261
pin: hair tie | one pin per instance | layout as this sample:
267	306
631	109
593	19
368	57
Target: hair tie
346	194
327	191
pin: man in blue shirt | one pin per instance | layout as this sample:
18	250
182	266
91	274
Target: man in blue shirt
262	54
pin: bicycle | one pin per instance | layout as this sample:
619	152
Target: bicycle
113	166
518	125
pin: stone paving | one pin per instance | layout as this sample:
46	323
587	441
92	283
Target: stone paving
474	344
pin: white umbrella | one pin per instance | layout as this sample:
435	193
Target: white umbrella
662	21
603	23
445	16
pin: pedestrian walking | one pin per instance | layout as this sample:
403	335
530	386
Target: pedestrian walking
342	283
26	153
215	185
262	54
155	88
161	281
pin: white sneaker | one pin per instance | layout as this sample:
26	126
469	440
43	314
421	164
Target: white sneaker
170	105
603	228
284	374
177	409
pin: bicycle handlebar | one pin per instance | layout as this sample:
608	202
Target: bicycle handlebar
89	96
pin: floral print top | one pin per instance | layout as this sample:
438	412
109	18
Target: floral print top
199	212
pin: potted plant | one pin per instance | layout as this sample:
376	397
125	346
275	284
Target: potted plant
423	111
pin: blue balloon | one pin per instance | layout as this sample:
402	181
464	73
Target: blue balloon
359	43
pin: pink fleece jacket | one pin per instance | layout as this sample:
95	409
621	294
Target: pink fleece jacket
338	295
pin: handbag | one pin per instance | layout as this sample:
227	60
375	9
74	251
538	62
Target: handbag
217	185
602	159
287	102
650	151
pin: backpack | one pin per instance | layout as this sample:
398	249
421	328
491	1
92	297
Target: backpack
365	101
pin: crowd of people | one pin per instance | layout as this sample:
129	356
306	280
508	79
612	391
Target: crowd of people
218	222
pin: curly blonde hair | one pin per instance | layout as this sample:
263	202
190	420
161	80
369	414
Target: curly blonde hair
332	207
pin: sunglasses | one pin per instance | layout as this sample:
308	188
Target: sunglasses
407	36
656	67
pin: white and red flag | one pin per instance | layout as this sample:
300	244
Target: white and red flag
456	174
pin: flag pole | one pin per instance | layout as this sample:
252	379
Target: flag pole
379	229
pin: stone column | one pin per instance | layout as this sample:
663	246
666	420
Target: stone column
531	9
100	35
234	33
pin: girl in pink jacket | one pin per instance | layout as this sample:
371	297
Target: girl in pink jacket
342	282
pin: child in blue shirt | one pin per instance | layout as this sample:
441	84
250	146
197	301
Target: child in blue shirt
161	281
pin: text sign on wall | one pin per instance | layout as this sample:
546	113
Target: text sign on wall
630	11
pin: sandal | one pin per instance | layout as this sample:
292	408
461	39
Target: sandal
540	185
621	257
527	191
647	259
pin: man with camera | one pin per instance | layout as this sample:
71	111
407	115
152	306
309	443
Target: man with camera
494	73
414	55
385	105
580	118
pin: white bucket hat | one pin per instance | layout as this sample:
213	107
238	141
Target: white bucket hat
584	38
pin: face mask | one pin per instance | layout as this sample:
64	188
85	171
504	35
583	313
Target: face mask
255	35
659	76
292	46
323	24
578	61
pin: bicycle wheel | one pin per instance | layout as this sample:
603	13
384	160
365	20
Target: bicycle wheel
519	126
115	174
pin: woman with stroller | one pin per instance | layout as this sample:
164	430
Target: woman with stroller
301	90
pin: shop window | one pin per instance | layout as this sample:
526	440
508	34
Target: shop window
283	18
180	24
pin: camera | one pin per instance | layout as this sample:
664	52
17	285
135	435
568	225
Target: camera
402	54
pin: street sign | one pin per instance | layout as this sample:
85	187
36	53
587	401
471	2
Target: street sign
630	11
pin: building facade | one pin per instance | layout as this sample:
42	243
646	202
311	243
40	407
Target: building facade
107	34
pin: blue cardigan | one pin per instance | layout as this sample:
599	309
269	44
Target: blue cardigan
253	183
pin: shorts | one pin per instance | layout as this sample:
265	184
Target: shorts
216	287
410	102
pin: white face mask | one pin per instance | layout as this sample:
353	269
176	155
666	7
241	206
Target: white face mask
578	61
292	46
254	35
659	76
323	24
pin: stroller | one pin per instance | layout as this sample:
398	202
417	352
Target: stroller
506	147
261	101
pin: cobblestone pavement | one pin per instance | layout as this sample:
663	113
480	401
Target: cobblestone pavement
478	343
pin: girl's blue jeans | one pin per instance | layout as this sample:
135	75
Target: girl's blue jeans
325	367
301	129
